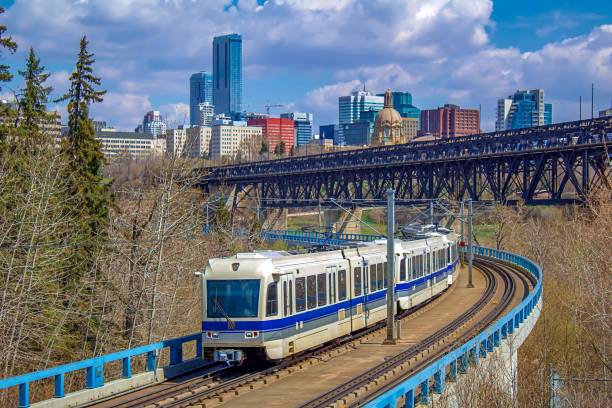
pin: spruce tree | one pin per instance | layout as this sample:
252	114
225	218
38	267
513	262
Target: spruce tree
32	103
89	196
11	46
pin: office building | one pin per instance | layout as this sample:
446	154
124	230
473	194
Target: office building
227	74
410	128
606	112
351	108
303	126
200	91
175	141
235	141
197	144
276	130
254	115
132	144
450	121
152	124
328	132
206	113
402	102
523	109
357	133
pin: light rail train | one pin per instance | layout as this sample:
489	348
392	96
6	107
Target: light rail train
274	305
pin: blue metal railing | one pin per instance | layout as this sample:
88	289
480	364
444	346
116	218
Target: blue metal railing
95	366
457	360
318	238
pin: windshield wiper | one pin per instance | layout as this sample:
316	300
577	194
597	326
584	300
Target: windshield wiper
230	323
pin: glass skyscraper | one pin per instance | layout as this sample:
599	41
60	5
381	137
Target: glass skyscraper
351	108
227	74
303	126
524	109
402	102
200	91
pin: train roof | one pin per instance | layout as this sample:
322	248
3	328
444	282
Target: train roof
264	261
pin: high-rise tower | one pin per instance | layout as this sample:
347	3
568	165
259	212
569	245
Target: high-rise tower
227	74
200	91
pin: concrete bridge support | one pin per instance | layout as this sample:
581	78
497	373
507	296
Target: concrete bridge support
497	369
273	218
344	221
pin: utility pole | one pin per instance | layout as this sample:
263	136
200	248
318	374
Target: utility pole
470	249
431	212
462	217
391	335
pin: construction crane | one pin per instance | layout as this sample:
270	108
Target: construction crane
272	105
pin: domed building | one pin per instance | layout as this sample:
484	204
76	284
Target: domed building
388	124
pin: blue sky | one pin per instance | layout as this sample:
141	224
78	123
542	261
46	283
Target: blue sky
306	53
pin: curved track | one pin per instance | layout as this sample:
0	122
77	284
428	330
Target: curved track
200	388
503	283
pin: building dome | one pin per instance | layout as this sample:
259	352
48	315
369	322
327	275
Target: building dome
388	124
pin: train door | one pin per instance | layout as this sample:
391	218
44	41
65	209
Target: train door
287	284
356	280
366	290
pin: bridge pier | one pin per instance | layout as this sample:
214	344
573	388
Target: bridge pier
344	221
273	218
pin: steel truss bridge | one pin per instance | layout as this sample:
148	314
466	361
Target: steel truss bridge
556	164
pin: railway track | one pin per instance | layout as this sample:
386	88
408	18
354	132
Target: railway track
399	367
202	388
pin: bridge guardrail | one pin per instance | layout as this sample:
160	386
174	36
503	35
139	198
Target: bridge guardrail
458	360
94	367
320	238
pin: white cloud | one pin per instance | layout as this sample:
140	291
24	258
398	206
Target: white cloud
175	114
439	50
125	109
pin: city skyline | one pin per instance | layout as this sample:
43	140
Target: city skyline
493	51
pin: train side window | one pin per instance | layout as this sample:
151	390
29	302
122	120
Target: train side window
415	263
290	297
321	290
373	281
272	299
311	291
402	275
300	294
341	285
357	280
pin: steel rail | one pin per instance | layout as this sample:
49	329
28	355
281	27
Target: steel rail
230	382
507	271
328	398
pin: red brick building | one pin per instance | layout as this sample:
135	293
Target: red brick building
450	121
275	130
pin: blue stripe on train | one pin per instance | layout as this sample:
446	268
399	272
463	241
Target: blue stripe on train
290	321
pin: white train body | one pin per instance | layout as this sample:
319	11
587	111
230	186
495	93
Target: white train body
278	304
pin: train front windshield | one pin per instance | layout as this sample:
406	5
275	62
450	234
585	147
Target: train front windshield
232	298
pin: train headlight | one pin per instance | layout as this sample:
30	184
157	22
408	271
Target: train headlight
251	334
212	335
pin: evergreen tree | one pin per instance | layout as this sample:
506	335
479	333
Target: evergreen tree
264	148
33	99
90	196
11	46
